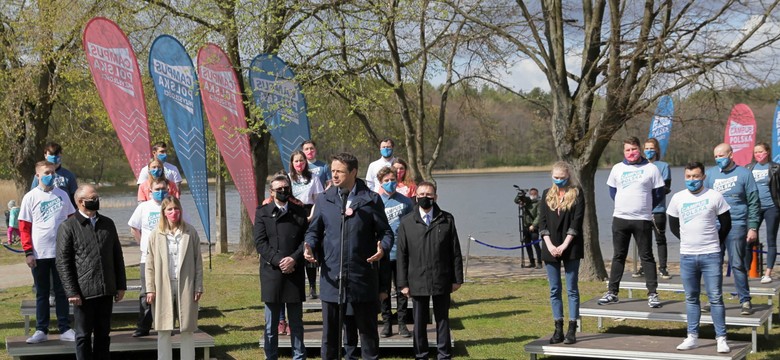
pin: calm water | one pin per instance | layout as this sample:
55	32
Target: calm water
482	205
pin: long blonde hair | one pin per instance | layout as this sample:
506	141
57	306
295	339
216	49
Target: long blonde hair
570	194
165	226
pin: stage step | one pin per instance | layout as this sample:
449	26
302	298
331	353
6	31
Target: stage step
642	347
121	341
126	306
312	338
675	284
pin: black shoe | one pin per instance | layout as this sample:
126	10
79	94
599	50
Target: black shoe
571	333
539	265
747	308
403	331
533	264
664	274
640	273
387	330
140	333
313	292
558	334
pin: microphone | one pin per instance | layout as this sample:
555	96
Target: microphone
344	196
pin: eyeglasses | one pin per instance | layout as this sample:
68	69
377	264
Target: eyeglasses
283	189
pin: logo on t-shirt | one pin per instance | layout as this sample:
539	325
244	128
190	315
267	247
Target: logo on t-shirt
152	220
690	210
630	177
724	185
61	182
50	208
393	213
759	175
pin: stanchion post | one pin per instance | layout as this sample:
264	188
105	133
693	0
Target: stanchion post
468	255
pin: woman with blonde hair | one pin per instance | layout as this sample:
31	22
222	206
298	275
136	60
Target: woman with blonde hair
156	170
174	279
561	212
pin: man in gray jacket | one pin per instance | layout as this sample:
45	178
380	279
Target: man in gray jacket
92	270
430	265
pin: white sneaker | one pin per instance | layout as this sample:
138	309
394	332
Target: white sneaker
723	347
766	279
691	342
69	335
37	337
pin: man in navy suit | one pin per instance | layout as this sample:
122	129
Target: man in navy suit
367	237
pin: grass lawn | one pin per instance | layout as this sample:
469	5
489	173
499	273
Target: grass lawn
491	319
8	257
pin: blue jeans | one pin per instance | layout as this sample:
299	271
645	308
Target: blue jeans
44	273
739	259
709	267
271	334
772	217
572	268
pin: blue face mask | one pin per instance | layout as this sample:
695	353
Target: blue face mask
54	159
386	152
723	162
389	186
162	157
156	173
560	182
693	185
159	195
47	180
650	154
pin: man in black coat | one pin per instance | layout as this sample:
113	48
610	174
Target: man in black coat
92	270
430	265
279	232
367	237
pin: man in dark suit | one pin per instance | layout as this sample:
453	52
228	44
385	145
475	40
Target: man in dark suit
279	232
362	211
429	265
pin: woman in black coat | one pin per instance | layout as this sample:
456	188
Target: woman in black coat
561	210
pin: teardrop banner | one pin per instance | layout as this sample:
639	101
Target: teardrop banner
661	125
178	93
115	72
741	133
776	134
282	103
227	119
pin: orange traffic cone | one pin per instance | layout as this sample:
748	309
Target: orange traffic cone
754	272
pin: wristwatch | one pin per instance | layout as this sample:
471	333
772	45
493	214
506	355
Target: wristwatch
753	229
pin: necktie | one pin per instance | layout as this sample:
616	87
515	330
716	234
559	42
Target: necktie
428	219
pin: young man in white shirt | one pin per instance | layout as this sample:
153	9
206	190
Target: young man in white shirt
637	187
143	221
700	218
42	211
160	151
386	149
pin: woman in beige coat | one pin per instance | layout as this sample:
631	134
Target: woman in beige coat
174	276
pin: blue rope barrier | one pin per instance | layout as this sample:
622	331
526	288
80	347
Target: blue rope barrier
12	249
502	247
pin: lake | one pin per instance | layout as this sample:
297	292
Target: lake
482	205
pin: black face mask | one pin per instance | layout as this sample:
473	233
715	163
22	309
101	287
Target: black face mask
425	202
283	196
92	205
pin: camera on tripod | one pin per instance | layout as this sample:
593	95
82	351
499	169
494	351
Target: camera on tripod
522	196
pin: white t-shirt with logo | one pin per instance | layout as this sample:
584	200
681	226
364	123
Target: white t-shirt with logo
45	210
698	214
145	218
634	184
171	173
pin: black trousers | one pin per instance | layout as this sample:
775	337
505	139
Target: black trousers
622	230
441	313
402	301
359	317
144	309
659	228
529	237
93	317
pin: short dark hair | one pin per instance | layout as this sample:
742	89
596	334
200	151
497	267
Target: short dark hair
279	178
384	172
310	141
347	159
390	140
159	145
631	140
53	148
695	165
427	183
533	189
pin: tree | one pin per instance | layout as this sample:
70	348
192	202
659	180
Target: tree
35	52
629	53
